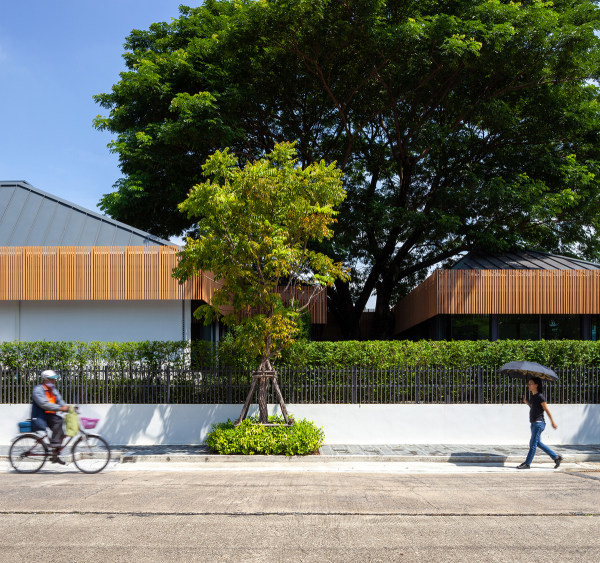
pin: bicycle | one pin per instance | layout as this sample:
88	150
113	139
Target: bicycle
90	452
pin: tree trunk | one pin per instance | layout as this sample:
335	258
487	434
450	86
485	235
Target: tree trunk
381	328
265	366
348	317
344	312
382	325
262	401
348	323
263	375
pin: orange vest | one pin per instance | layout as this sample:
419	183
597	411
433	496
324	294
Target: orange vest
51	398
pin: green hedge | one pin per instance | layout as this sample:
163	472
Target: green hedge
429	353
68	355
151	355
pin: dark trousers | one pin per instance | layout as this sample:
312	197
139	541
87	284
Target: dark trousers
55	423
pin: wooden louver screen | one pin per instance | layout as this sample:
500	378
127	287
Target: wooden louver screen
501	292
115	273
95	273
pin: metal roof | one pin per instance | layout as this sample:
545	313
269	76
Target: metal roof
31	217
522	260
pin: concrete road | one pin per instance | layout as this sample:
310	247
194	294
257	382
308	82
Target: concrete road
452	513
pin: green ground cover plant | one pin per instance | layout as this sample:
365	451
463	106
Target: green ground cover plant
253	438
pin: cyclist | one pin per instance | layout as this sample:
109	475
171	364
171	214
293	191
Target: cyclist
46	403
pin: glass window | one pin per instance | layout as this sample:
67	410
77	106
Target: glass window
595	327
470	327
561	327
518	327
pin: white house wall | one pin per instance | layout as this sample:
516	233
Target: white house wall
105	321
9	320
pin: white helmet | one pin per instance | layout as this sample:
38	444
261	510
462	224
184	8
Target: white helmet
50	374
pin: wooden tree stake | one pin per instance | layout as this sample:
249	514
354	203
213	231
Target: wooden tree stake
263	378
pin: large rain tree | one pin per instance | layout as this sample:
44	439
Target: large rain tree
253	228
461	125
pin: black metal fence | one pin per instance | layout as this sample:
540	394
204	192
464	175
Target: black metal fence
427	385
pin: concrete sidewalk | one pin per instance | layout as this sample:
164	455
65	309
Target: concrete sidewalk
355	452
367	453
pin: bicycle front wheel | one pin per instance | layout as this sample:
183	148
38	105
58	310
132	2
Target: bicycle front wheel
28	453
91	453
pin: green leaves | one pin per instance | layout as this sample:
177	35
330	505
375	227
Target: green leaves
69	355
399	353
252	438
460	45
254	226
453	124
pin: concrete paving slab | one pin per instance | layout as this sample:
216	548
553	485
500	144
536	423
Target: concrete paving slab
372	453
366	453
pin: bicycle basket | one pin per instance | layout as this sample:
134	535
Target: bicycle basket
88	423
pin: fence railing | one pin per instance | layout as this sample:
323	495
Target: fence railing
413	385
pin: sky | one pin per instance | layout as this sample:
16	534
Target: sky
54	56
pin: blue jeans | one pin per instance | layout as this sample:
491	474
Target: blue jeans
536	433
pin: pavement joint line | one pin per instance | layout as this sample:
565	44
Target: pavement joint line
263	513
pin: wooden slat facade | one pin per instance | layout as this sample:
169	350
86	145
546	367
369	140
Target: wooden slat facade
500	292
105	273
94	273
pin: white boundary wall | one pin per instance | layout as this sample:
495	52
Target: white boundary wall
87	321
343	424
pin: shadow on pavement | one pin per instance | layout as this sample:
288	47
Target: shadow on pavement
459	458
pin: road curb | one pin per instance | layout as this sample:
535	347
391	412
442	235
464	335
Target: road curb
328	459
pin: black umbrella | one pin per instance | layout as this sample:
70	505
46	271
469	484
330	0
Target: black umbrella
525	370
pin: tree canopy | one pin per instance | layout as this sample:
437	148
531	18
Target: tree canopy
254	226
459	125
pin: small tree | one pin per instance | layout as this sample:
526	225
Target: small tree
254	227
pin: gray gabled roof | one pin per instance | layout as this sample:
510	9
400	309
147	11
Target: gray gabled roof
31	217
522	260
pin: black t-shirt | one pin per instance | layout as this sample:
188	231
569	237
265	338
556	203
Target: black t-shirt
536	412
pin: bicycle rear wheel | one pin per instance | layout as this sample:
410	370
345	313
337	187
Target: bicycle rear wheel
28	453
91	453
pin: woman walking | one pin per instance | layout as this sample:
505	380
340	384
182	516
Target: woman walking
537	407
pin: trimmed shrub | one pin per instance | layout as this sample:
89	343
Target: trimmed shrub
151	356
252	438
404	353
